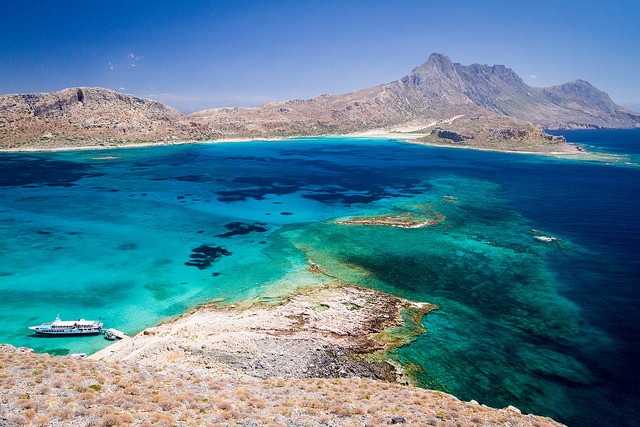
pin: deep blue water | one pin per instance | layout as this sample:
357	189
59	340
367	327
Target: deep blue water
549	327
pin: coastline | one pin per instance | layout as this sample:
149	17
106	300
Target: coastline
55	148
322	349
575	152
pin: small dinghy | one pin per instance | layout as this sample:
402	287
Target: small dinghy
109	335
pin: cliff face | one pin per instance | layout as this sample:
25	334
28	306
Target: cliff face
436	92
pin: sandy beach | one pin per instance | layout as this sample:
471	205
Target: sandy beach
47	147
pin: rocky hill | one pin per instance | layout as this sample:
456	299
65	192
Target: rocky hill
439	91
78	115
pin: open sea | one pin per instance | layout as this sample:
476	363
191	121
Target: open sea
137	236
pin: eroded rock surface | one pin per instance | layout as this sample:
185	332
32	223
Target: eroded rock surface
318	332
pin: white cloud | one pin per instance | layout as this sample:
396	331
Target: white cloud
110	66
533	76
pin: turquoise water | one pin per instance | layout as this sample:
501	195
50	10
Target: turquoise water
548	327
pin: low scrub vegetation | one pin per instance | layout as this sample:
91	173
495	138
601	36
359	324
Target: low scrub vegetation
80	392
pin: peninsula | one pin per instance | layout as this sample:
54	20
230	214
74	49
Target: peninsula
475	106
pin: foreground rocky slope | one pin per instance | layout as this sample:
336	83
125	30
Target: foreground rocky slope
42	390
435	93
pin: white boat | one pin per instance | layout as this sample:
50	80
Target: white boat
69	327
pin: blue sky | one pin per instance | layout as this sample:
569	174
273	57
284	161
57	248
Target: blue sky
203	54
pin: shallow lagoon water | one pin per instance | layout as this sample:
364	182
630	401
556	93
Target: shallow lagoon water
548	327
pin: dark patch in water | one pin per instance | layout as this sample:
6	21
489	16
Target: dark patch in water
242	228
193	178
260	187
19	170
338	197
331	183
128	247
231	199
203	256
286	213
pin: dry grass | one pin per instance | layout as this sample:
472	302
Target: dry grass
77	392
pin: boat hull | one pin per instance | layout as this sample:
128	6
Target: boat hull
59	327
40	332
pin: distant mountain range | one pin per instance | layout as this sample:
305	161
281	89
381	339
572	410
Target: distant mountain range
439	92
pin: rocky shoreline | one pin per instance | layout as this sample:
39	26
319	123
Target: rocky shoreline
333	331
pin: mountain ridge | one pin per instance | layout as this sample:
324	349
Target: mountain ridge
436	92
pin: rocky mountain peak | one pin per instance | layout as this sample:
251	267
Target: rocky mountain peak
437	64
439	61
